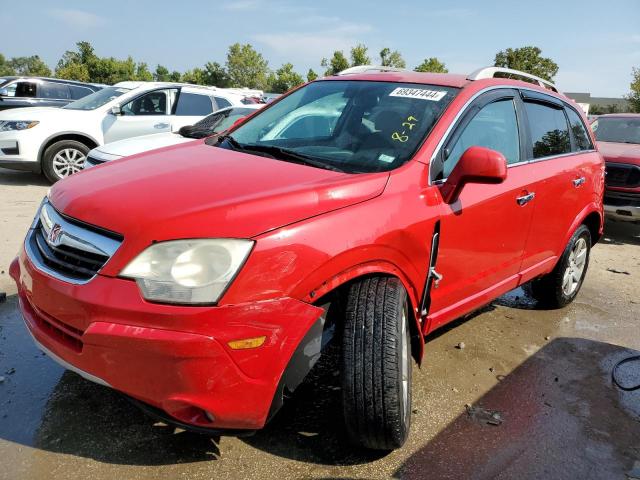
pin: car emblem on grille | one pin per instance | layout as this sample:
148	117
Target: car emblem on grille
54	234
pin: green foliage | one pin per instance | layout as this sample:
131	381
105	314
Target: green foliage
634	95
391	59
29	66
195	76
216	75
336	64
527	59
5	68
432	65
284	79
246	67
311	75
359	55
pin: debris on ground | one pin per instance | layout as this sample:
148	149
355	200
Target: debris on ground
3	297
11	371
491	369
460	346
484	416
621	272
547	337
2	379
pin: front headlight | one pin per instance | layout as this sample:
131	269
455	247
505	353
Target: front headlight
8	125
188	271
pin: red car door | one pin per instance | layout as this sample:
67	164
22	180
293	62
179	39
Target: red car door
565	165
483	234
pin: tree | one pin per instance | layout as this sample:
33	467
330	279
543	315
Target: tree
634	95
359	55
432	65
284	79
5	68
161	74
527	59
143	73
336	64
30	66
196	76
311	75
391	59
216	75
246	67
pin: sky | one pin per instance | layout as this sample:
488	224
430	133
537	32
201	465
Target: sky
595	43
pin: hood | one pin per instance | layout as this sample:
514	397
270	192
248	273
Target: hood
198	191
135	145
620	152
32	113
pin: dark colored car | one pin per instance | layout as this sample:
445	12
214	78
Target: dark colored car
618	137
41	92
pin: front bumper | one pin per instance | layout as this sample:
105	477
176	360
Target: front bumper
175	358
622	206
14	153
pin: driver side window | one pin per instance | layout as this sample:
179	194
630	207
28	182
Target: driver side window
495	126
158	102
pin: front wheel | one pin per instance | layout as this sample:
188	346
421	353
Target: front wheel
376	364
561	286
63	158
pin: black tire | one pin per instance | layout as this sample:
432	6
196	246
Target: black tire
377	409
548	290
50	153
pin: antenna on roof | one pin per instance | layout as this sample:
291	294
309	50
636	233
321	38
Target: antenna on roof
499	72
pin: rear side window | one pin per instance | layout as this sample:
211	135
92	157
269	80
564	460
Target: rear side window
222	102
78	92
549	130
190	104
54	90
495	126
580	136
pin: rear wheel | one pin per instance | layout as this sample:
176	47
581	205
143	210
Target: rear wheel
376	364
63	158
561	286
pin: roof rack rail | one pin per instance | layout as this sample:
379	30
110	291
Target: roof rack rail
370	68
493	72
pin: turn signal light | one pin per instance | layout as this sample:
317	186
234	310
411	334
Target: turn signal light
246	343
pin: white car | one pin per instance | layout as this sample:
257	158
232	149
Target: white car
217	122
55	141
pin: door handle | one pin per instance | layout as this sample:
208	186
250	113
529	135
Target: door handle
578	181
161	125
523	200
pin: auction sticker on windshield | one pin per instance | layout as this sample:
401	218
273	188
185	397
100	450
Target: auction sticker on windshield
421	93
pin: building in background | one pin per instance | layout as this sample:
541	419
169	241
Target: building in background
599	105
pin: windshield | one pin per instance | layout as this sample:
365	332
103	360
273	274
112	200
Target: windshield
617	129
97	99
346	125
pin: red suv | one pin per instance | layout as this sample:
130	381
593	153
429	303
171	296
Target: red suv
618	137
204	280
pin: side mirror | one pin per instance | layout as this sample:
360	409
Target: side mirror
477	165
116	110
238	121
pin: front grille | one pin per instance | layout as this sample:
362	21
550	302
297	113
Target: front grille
622	175
68	249
69	261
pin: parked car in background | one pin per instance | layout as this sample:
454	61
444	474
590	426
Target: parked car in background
204	280
618	137
55	141
18	92
217	122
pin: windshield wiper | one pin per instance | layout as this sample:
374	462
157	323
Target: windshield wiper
288	155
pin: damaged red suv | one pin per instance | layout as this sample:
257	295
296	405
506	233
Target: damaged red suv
204	280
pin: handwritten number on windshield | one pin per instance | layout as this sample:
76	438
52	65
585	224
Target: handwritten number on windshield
409	123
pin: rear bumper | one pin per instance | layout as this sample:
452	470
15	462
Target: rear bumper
176	359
